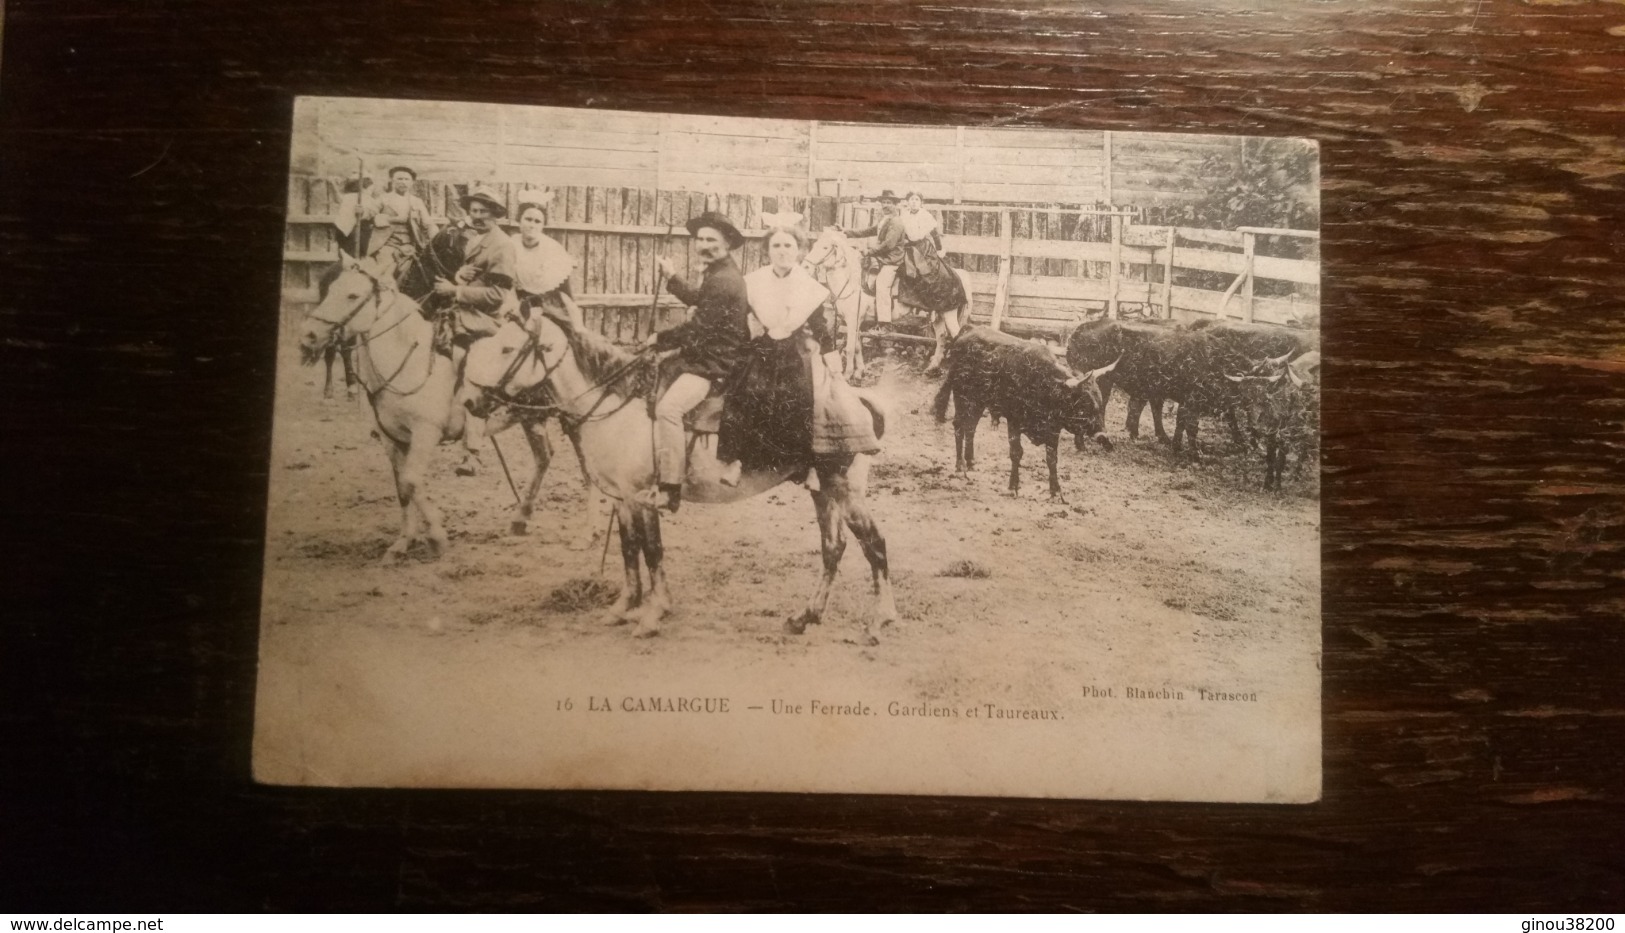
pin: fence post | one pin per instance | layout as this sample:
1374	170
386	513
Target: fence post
1106	166
1168	277
1002	293
959	163
1113	272
812	160
1247	244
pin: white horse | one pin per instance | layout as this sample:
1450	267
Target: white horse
843	262
600	392
843	275
413	391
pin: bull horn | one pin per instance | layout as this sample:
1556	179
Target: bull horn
1297	382
1275	361
1235	378
1074	382
1105	370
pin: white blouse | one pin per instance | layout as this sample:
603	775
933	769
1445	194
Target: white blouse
543	267
918	225
780	304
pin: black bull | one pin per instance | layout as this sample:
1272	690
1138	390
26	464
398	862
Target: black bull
1023	382
1187	365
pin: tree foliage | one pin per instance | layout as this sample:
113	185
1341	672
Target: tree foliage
1276	184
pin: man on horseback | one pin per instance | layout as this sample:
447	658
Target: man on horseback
709	344
399	218
482	293
890	240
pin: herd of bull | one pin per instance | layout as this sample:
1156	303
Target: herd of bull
1262	379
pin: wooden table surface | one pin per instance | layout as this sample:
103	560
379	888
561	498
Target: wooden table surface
1473	204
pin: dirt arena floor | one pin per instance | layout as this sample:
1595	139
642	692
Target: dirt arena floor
1149	574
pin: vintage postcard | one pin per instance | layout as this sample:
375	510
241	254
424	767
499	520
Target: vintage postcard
640	450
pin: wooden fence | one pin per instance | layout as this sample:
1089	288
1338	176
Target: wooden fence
458	142
615	234
1039	271
1035	271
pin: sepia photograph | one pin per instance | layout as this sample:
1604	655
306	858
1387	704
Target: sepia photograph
664	451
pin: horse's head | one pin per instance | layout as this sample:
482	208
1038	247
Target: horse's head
515	359
825	247
349	304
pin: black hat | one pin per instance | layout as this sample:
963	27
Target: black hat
402	168
718	223
887	197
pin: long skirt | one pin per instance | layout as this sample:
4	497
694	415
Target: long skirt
926	282
767	420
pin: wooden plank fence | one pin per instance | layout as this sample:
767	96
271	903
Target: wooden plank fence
608	148
1033	270
615	235
1043	269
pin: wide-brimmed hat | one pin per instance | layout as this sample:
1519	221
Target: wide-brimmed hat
887	197
402	168
488	197
718	223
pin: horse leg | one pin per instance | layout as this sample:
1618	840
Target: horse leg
659	601
414	469
351	379
858	307
832	543
955	319
409	515
939	330
851	503
1051	455
631	544
1015	457
327	364
586	534
541	453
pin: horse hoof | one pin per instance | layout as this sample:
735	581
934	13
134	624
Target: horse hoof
518	528
646	631
869	640
797	624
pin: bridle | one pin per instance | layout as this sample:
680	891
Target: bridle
851	280
364	339
571	422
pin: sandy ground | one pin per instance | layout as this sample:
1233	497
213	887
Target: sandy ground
466	671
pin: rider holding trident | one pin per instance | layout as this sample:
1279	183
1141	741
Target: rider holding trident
709	344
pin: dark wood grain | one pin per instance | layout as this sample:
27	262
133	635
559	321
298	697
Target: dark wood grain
1474	259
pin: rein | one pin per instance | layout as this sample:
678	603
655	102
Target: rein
571	422
364	340
837	260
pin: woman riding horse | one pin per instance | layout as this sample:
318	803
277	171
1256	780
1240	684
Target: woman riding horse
784	405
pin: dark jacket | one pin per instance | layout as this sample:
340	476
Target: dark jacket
892	239
714	338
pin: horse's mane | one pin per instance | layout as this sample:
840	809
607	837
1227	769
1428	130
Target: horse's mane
599	359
